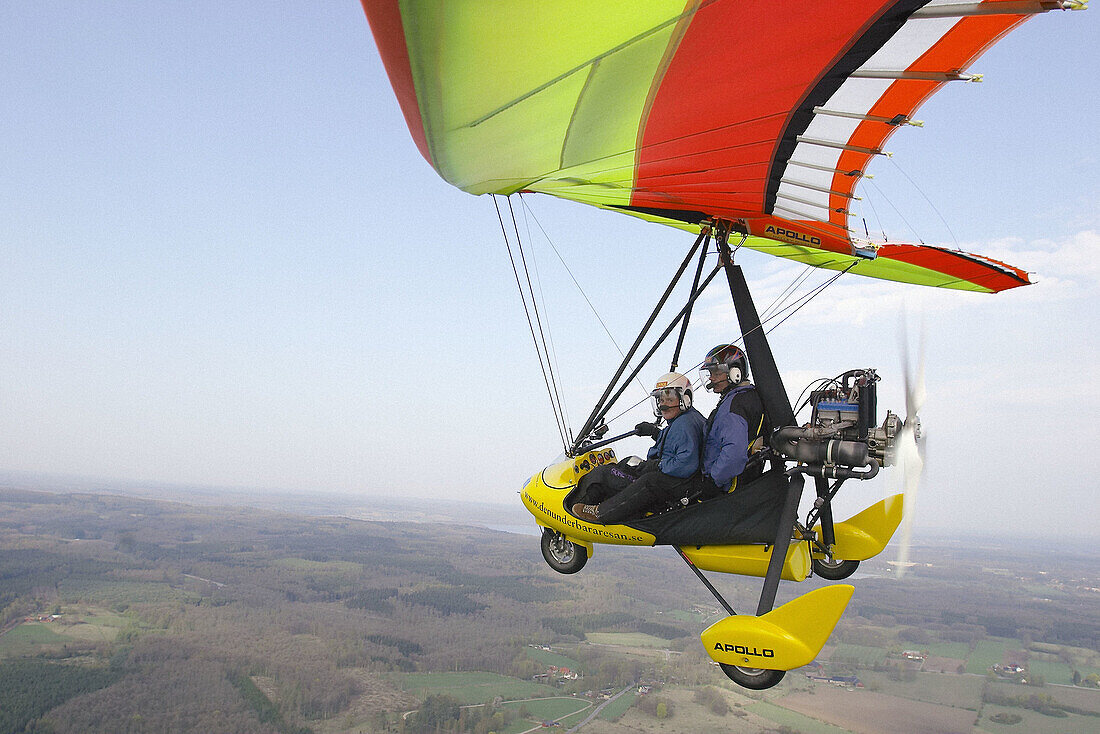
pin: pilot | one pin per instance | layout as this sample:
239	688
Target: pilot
737	427
671	463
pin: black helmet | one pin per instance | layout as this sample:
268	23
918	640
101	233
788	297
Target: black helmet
727	358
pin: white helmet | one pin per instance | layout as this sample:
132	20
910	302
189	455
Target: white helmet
671	386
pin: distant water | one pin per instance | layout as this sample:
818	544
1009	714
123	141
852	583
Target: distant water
531	529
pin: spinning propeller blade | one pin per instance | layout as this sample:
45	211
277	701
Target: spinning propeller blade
909	457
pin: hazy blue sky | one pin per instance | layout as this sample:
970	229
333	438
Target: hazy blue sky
223	262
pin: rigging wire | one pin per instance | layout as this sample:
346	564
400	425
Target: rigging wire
549	331
789	290
937	211
546	354
874	212
538	321
587	300
530	325
796	306
896	211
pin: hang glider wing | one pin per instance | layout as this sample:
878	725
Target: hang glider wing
759	113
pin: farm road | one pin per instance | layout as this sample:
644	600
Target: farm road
597	710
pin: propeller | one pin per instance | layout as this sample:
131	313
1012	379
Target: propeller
910	460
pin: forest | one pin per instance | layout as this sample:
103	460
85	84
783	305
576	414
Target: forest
129	615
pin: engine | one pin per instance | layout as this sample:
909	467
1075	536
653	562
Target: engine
843	434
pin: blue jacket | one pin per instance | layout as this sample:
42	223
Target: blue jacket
679	444
726	444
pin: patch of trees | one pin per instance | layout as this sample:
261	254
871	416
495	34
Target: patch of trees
178	695
915	634
444	600
442	713
265	710
1006	718
713	699
521	588
1092	680
30	688
1074	633
656	706
437	713
578	625
405	647
22	570
1042	703
374	600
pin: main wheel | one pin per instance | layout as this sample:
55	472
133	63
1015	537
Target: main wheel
755	678
832	569
562	555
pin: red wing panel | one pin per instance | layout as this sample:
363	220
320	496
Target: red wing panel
389	35
727	98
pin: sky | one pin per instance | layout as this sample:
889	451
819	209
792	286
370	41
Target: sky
224	263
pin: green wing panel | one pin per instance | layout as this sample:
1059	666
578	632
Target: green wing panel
514	92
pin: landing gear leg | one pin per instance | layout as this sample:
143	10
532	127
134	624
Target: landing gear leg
829	568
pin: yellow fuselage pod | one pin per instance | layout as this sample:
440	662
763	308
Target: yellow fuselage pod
784	638
544	497
749	560
865	535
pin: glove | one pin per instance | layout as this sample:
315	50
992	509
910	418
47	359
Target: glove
647	429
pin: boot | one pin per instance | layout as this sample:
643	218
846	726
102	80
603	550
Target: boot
590	513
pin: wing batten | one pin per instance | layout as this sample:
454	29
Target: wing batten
876	34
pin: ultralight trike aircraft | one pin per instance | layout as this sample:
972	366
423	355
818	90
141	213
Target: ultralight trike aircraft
746	123
752	531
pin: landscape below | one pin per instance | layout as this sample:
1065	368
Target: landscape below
120	614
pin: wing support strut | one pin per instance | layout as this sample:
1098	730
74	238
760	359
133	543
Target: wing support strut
776	404
603	404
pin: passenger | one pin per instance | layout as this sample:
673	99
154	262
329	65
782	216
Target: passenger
671	463
737	427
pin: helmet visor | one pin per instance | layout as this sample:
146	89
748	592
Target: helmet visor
711	372
665	399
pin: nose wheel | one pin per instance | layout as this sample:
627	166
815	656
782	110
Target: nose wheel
562	554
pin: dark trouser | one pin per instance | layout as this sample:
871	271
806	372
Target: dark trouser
607	480
651	491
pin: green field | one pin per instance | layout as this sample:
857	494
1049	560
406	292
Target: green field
618	707
987	653
796	721
470	688
573	719
79	624
105	619
30	638
626	639
960	691
683	615
552	658
957	650
563	708
1052	672
865	655
121	594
